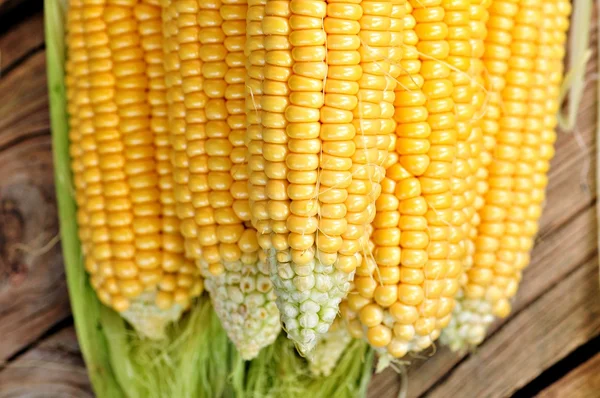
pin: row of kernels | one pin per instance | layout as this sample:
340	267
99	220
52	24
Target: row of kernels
372	120
513	157
337	135
380	280
234	14
173	262
477	22
274	102
177	178
434	50
77	103
221	228
497	195
307	38
254	53
462	183
108	198
132	84
337	199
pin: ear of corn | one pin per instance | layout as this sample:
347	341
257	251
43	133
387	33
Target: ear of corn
271	149
194	358
330	347
403	295
524	133
207	113
132	248
308	284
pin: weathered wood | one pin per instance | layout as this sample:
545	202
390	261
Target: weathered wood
33	294
53	368
24	113
20	40
582	382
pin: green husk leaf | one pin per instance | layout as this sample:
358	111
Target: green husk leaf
195	359
579	55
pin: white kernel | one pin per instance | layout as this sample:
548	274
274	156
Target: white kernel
285	271
235	294
323	283
290	310
304	283
310	306
303	270
328	314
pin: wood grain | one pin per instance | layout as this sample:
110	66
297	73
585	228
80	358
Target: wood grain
53	368
20	40
582	382
33	294
24	113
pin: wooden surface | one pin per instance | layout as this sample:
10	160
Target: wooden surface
548	346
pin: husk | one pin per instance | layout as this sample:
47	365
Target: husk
196	358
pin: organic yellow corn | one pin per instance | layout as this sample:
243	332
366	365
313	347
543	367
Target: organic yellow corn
208	104
518	170
308	290
403	294
133	250
330	347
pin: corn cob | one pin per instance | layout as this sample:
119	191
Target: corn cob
525	139
115	94
463	181
292	96
496	56
404	294
329	198
205	51
330	347
479	155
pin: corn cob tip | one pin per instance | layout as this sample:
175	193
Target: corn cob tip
244	300
148	319
308	298
330	347
469	325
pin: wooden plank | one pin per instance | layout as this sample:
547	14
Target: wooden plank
20	40
25	113
582	382
54	368
554	258
33	294
556	324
